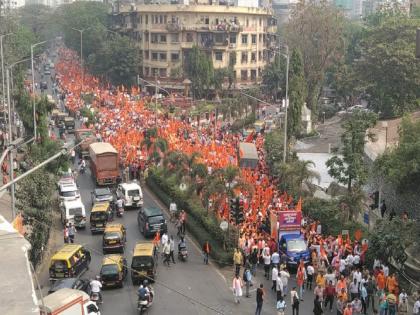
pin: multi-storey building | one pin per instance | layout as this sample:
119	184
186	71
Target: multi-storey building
243	37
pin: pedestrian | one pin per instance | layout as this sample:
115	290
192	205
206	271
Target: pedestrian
279	287
247	279
294	297
206	251
183	217
237	285
164	239
178	225
340	307
392	303
253	259
329	293
267	261
319	291
166	249
371	290
363	298
357	305
275	259
274	276
348	310
72	232
403	306
310	276
237	260
416	307
172	248
66	234
300	278
383	208
317	306
281	306
284	275
260	299
320	280
383	304
354	289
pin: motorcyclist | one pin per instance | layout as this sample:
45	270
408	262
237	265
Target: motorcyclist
82	165
182	244
96	286
144	292
120	204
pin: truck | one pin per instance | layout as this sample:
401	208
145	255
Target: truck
248	155
68	302
291	242
104	163
86	135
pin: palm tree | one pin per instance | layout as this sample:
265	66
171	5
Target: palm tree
156	145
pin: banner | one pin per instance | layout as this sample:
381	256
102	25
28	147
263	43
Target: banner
290	220
273	224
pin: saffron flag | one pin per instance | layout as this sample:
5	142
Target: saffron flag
299	205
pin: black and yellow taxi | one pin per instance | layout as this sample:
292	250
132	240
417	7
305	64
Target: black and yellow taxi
113	271
69	262
99	216
144	262
114	238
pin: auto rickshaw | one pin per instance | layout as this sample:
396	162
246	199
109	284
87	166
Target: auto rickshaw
144	262
99	216
114	238
113	271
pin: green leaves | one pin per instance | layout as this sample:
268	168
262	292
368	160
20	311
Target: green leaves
348	166
199	69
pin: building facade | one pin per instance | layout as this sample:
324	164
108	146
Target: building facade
243	37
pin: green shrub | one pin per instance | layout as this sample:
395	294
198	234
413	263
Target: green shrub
243	123
201	226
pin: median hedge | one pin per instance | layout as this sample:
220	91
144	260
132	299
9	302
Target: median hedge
202	226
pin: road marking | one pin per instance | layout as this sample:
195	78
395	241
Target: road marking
192	241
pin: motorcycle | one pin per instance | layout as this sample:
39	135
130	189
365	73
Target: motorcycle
182	254
144	304
95	297
120	211
82	169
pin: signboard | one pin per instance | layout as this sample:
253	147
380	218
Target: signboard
290	220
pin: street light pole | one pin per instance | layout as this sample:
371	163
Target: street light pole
2	71
33	84
11	170
156	96
81	54
287	105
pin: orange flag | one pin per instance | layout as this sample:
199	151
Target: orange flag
18	224
299	205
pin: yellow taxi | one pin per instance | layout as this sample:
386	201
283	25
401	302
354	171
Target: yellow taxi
114	238
113	270
70	261
144	262
99	216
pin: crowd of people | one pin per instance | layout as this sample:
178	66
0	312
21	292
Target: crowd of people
336	270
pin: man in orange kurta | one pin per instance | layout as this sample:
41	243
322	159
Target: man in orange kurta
380	281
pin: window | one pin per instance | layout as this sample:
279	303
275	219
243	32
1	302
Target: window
154	56
232	59
161	19
155	71
163	38
154	38
253	75
259	56
146	54
162	56
253	57
146	71
189	37
218	55
162	72
206	20
244	75
260	22
175	56
244	57
147	18
146	37
218	38
247	22
244	39
254	39
232	39
174	38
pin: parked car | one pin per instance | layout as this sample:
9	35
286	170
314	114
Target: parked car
71	283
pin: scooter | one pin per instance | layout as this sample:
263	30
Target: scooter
144	304
182	254
95	297
120	211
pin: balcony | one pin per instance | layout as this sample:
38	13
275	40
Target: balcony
226	27
173	27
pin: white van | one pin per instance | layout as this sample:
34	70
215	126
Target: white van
73	211
131	193
68	191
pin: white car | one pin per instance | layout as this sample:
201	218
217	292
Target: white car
73	211
68	191
131	193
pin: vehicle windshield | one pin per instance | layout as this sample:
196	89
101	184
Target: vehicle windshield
102	192
68	194
75	211
109	270
142	261
112	235
296	246
98	216
156	219
58	265
133	193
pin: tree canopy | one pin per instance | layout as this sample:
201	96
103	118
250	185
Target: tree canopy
199	69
